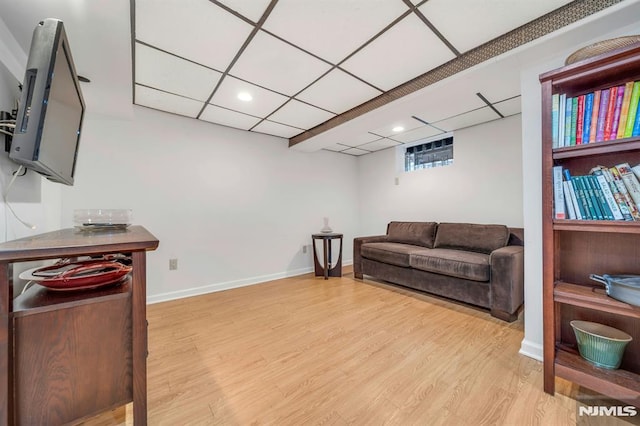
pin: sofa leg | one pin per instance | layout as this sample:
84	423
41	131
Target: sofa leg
504	316
358	275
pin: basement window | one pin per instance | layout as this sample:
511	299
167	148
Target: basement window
428	154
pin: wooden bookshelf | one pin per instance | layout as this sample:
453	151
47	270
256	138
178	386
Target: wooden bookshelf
574	249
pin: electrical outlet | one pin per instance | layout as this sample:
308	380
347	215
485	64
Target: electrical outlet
304	249
173	264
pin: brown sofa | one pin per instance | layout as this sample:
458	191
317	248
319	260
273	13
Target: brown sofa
482	265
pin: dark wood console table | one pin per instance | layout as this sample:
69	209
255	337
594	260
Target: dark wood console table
326	270
66	356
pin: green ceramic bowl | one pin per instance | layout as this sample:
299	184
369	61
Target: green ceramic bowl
600	344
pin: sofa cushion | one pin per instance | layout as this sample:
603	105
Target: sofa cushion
471	237
462	264
416	233
391	253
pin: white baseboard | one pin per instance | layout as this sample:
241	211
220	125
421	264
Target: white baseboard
228	285
531	349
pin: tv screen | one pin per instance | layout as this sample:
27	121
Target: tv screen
51	109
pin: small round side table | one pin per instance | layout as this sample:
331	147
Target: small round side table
327	270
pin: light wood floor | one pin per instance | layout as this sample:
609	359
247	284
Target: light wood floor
304	350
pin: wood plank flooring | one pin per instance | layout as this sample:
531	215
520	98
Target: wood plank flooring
303	350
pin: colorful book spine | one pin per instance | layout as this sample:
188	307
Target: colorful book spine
602	114
591	194
633	109
558	196
624	111
616	113
567	121
588	111
636	126
580	120
608	121
574	120
555	119
599	193
594	116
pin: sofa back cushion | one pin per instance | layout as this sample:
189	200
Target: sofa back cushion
471	237
416	233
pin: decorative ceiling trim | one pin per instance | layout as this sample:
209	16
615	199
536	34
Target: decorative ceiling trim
537	28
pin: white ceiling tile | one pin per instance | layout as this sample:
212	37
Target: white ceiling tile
194	29
252	9
172	74
407	123
355	151
264	101
167	102
379	144
214	114
470	23
276	129
352	92
439	105
299	114
272	63
509	107
471	118
335	147
422	132
332	29
358	139
405	51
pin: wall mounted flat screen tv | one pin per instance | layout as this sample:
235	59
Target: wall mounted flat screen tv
51	109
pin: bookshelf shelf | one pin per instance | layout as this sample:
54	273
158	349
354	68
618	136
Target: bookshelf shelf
592	297
599	148
573	249
614	226
622	385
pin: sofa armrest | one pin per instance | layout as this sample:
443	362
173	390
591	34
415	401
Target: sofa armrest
507	281
357	246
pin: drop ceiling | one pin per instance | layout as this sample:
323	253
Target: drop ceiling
311	65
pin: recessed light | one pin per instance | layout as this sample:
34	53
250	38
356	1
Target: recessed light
398	129
245	96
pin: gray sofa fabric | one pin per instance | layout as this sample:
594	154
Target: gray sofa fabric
477	264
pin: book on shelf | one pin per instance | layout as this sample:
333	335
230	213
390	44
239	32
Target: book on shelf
555	119
624	111
617	178
588	110
561	109
577	203
602	114
567	121
574	120
579	120
636	125
636	170
631	182
558	196
608	194
571	213
616	113
633	109
608	120
594	116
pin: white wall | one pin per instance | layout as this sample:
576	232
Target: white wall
233	207
483	185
